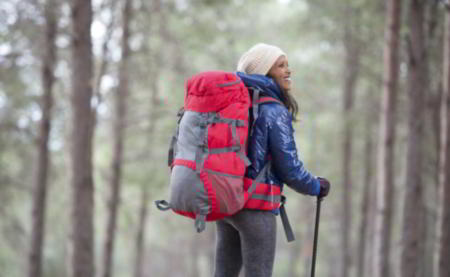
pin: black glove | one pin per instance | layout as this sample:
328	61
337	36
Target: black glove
324	187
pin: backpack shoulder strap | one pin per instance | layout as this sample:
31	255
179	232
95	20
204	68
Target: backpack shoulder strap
257	100
267	99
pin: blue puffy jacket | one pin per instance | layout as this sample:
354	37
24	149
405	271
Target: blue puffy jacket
272	138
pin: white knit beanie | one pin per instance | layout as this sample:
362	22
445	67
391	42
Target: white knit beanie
259	59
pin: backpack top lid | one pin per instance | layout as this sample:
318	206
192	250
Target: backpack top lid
213	91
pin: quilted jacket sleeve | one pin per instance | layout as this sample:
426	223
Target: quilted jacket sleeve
288	167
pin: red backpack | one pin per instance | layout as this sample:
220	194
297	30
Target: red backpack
207	155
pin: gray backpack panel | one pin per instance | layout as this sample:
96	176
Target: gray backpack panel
191	135
187	192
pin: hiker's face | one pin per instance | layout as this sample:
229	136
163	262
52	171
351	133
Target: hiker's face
281	73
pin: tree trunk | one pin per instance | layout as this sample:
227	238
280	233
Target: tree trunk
413	216
437	122
140	237
385	163
153	83
351	69
82	181
366	201
40	186
434	38
102	68
119	137
444	266
371	209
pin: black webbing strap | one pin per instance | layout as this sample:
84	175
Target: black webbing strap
255	100
173	142
284	219
172	146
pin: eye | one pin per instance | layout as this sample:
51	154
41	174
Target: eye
283	64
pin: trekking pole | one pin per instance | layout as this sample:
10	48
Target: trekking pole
316	236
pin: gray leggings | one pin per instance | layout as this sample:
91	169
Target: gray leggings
247	238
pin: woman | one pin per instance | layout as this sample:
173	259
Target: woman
248	238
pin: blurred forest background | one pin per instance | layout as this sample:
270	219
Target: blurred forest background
89	93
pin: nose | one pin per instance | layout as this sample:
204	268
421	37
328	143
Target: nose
288	70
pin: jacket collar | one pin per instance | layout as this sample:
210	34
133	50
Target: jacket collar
264	83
